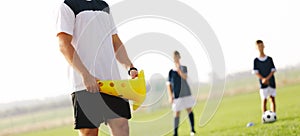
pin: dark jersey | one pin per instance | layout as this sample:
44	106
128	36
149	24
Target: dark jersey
179	86
265	67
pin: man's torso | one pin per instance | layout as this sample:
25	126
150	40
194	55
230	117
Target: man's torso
93	28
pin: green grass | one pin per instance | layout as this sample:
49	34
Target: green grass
37	117
59	131
230	119
236	111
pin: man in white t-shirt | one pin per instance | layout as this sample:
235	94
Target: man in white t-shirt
89	41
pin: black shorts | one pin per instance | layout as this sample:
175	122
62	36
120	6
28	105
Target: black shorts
92	109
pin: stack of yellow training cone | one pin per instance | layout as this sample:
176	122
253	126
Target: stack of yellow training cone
131	89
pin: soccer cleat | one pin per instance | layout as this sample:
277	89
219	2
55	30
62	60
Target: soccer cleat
193	133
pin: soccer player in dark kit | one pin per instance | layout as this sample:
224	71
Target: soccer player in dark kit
264	69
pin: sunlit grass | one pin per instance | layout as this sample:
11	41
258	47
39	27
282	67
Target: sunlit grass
231	118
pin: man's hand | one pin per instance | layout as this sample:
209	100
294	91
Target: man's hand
177	65
171	100
265	81
90	83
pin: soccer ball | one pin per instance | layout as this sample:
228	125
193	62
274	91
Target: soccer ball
269	117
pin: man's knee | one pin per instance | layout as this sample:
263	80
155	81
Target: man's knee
119	124
189	110
272	98
177	114
263	101
123	125
88	132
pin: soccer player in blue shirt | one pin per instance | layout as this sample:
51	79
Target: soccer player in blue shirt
179	93
264	69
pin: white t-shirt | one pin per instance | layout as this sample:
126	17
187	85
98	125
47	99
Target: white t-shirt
92	26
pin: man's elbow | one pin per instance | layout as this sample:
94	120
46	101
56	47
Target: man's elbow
63	48
184	76
64	41
67	50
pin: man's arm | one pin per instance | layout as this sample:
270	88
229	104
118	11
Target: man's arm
265	80
170	92
73	59
259	76
180	72
273	70
256	72
122	55
270	75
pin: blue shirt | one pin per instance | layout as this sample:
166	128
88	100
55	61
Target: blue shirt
179	86
265	67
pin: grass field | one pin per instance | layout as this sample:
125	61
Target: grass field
230	119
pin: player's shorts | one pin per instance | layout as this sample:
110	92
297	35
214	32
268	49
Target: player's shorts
182	103
92	109
266	92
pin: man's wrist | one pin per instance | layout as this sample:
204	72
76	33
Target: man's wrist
132	68
85	73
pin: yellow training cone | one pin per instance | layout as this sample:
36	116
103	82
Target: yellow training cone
131	89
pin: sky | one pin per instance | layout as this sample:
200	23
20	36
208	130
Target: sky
33	68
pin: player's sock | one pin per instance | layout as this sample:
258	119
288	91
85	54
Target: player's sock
191	116
176	123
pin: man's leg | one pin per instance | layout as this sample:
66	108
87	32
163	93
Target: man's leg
263	105
273	104
83	103
263	96
191	117
176	122
118	126
88	132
